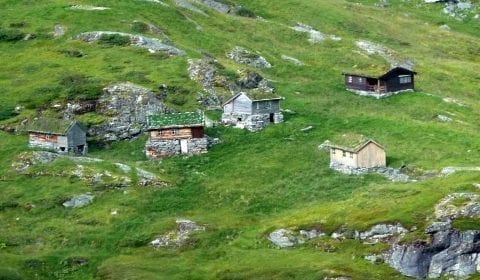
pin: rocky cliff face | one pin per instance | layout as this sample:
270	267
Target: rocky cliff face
126	107
450	252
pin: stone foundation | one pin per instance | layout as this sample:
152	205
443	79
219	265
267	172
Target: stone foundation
388	172
164	148
251	122
377	95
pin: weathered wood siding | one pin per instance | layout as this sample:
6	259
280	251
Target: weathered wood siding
228	108
371	156
356	82
242	104
266	106
76	136
392	80
48	141
339	156
171	133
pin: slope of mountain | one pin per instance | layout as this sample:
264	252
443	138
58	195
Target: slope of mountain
250	184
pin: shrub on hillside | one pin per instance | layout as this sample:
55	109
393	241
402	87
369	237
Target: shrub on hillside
244	12
11	35
41	97
139	27
72	53
114	40
7	111
80	87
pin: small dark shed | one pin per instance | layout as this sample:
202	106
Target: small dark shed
395	80
63	136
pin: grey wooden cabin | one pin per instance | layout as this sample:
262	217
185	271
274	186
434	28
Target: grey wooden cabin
62	136
252	111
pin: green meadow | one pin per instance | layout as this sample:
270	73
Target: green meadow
251	183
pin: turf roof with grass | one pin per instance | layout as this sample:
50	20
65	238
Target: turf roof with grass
175	120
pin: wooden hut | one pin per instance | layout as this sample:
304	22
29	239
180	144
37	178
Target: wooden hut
252	111
63	136
393	81
356	151
174	134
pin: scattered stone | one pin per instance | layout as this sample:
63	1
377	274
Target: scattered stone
315	35
445	27
308	128
458	9
153	44
389	55
79	201
148	179
292	60
458	205
374	258
59	30
284	238
125	168
382	232
216	5
114	212
24	160
449	170
88	8
325	146
178	237
444	118
244	56
187	5
454	101
158	2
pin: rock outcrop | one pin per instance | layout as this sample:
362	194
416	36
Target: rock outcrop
284	238
79	201
389	55
152	44
244	56
179	237
125	107
315	36
218	84
449	253
392	174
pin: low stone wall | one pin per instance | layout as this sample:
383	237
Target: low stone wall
163	148
377	95
251	122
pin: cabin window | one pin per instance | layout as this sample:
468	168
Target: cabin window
350	79
258	105
405	79
333	151
360	79
175	131
344	154
268	105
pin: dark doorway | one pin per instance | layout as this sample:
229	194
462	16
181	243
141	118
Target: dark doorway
80	149
272	117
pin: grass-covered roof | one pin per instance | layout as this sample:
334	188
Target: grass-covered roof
349	141
50	125
175	120
255	95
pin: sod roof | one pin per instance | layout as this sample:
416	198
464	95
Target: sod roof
51	126
175	120
351	142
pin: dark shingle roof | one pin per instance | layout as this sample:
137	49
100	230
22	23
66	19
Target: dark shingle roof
175	120
377	73
51	126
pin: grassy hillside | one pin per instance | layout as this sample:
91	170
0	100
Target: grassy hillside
251	183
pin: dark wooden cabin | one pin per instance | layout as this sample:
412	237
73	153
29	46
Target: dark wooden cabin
396	79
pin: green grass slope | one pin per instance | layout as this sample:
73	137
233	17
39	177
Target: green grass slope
251	183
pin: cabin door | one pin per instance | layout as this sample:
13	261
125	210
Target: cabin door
184	146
